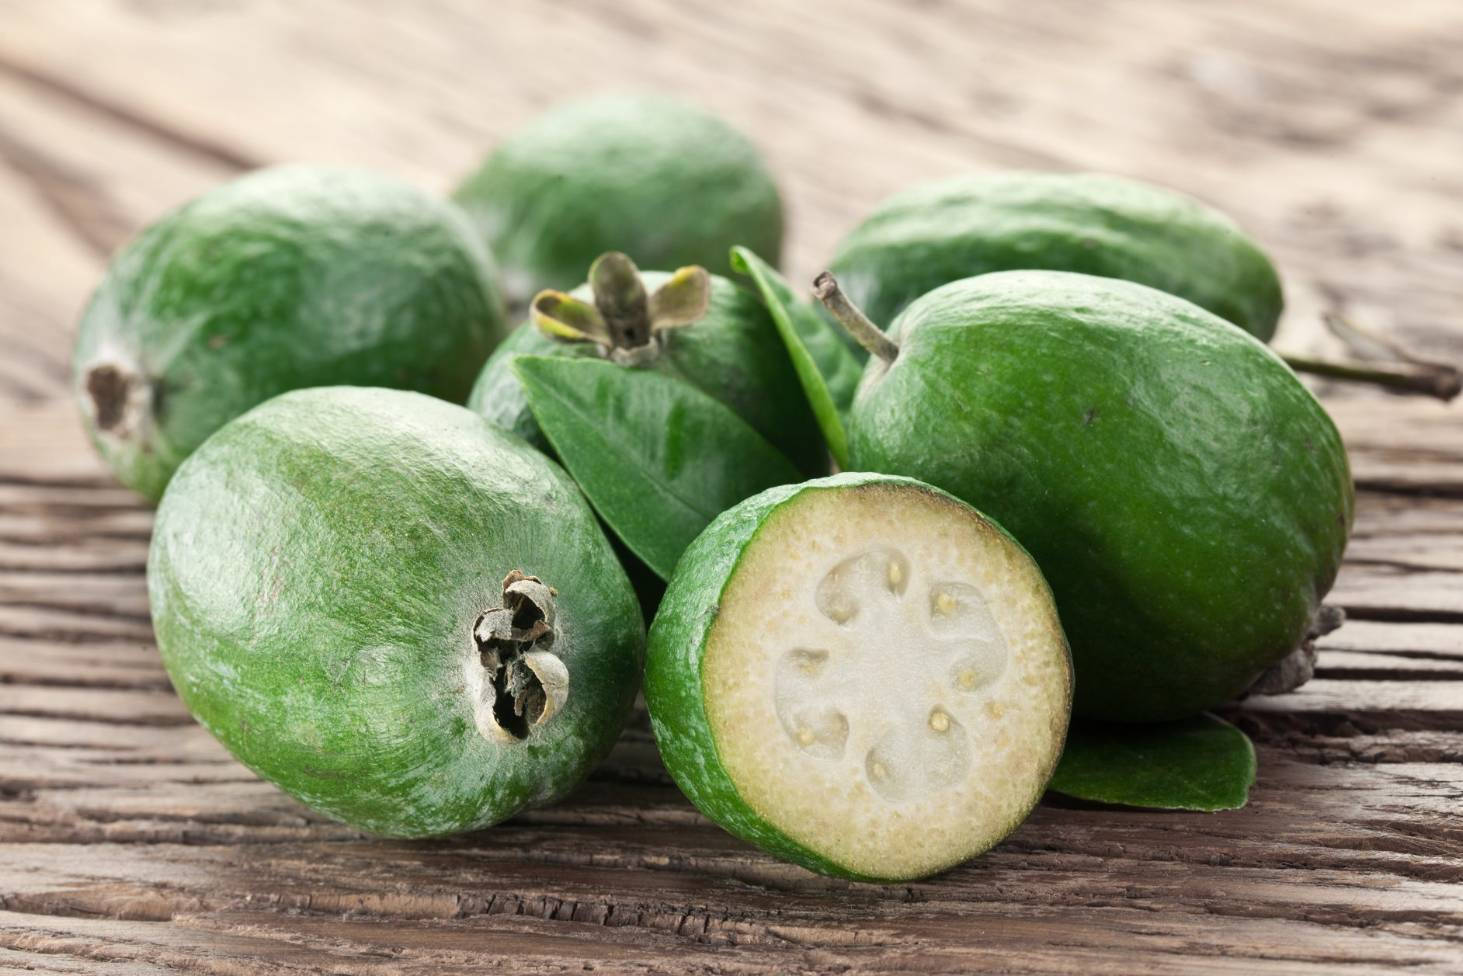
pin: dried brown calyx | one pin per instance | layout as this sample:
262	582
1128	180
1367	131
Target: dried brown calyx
117	398
1299	666
521	684
626	324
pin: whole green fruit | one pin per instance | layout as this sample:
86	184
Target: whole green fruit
1185	495
400	615
1102	225
860	674
286	278
730	351
658	178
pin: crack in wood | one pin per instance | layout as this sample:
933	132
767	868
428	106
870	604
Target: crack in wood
151	682
103	569
1403	615
1386	674
80	610
146	721
24	479
1410	489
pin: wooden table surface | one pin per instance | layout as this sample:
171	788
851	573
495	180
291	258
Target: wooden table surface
131	843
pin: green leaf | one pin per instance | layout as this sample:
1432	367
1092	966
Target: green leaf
657	458
827	368
1201	763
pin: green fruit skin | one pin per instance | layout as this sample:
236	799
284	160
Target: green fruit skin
662	180
732	353
1101	225
289	277
316	571
674	688
1186	497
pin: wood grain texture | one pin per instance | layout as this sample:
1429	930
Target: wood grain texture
131	843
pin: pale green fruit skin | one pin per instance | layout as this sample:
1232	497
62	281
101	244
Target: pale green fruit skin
286	278
660	179
674	689
1092	223
1184	494
316	571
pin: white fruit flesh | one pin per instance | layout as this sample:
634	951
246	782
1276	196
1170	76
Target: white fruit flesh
886	681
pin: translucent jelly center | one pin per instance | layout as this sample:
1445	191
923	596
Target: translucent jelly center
902	654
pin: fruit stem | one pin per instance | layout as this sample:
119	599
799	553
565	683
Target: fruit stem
854	322
1406	373
1428	378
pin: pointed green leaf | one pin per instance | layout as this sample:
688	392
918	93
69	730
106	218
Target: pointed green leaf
826	367
657	458
1201	763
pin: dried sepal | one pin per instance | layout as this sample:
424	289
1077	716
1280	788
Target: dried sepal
623	321
494	625
683	299
619	294
553	681
518	682
562	316
532	605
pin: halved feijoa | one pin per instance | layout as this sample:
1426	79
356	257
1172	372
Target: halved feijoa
860	674
403	616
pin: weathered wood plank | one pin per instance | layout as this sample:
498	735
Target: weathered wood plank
530	944
1425	460
1031	878
544	941
1444	641
40	961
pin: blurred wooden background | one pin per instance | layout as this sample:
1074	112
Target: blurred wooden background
129	842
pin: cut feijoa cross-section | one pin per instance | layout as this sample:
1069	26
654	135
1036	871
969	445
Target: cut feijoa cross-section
860	674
